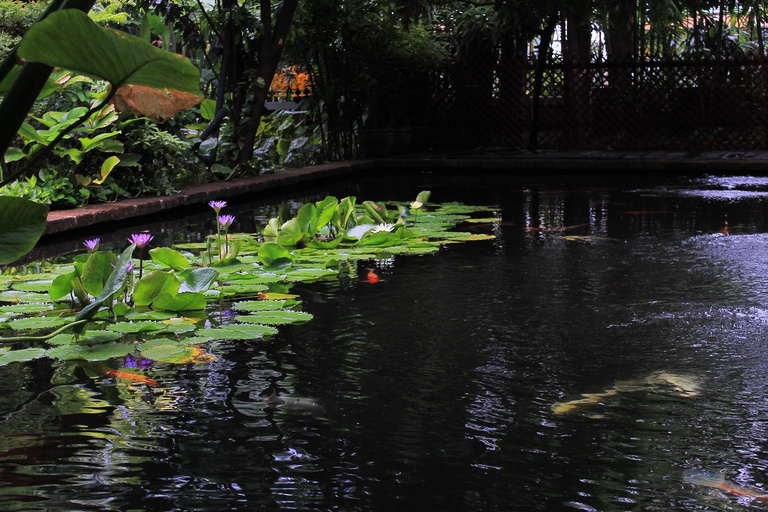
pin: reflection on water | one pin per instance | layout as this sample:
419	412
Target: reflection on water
438	382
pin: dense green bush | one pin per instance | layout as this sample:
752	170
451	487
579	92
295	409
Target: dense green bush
15	18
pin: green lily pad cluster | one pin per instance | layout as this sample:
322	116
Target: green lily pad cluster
97	308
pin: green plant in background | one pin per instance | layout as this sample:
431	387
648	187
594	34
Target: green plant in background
15	19
94	309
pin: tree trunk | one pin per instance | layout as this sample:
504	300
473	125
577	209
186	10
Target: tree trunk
546	41
272	41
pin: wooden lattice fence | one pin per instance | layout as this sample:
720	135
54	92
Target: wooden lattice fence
654	104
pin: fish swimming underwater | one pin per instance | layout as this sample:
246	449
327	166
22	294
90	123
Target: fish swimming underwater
296	406
683	385
132	377
716	480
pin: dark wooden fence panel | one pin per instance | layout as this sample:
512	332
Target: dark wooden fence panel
655	104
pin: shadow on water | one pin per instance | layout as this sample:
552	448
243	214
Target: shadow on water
642	305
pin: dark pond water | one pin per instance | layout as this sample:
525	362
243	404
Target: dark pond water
439	382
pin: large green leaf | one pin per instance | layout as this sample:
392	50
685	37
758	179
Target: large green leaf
114	283
169	257
22	222
185	301
97	270
111	55
198	280
152	285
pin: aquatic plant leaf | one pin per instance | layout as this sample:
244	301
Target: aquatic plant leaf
97	270
279	296
129	60
33	286
137	327
291	233
238	332
325	210
270	253
20	356
198	280
115	281
358	231
243	288
62	286
178	354
169	257
38	322
88	338
330	244
19	296
258	305
423	196
100	352
20	309
276	317
183	301
137	315
149	287
309	274
381	239
22	223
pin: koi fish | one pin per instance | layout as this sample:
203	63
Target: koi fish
718	481
684	385
373	278
133	377
296	406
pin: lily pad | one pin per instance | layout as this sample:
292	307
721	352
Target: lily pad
38	323
276	317
33	286
19	296
238	332
100	352
88	338
19	356
258	305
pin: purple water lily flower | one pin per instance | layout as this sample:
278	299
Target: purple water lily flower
217	205
92	245
226	221
140	239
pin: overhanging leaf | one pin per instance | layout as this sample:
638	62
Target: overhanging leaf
155	104
22	222
111	55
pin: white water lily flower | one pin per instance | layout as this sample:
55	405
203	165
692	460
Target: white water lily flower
416	205
382	227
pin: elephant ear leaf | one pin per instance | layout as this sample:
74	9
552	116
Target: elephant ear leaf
114	56
22	223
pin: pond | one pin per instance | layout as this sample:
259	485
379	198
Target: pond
605	351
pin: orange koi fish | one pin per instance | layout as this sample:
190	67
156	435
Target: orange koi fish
717	481
372	277
133	377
